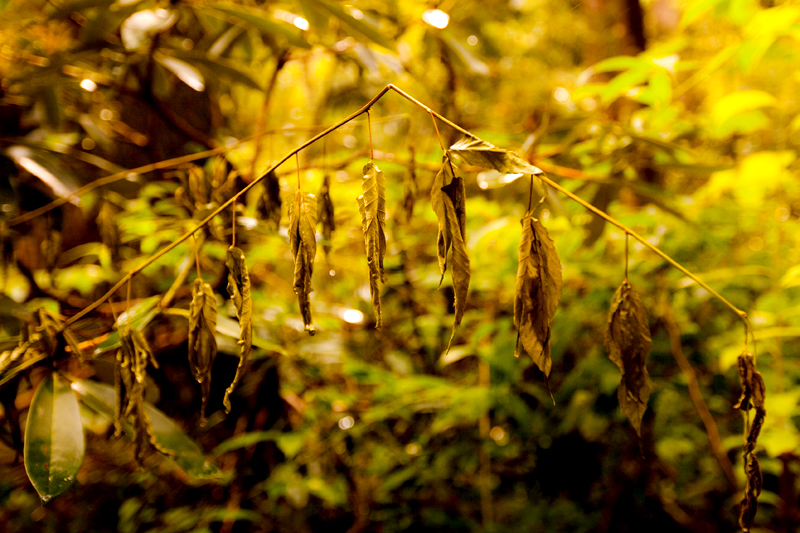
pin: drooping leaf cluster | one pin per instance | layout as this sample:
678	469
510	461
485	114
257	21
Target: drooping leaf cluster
753	397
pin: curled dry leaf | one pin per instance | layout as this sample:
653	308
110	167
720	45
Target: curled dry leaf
372	206
753	397
628	343
239	289
130	374
538	291
269	203
410	187
302	239
476	152
448	197
325	213
202	340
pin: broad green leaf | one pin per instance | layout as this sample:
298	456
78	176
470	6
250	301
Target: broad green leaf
202	340
239	289
352	25
738	102
138	314
628	343
538	290
54	443
183	451
243	441
262	21
302	239
476	152
372	207
137	30
184	71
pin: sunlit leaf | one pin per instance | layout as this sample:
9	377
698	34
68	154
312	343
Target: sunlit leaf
183	451
137	30
239	289
54	443
372	206
302	239
184	71
48	169
476	152
474	64
738	102
628	343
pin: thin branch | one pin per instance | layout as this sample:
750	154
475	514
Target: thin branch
365	108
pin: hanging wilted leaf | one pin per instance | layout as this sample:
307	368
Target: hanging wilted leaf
476	152
448	197
198	186
239	289
538	290
302	239
54	443
269	203
325	213
372	206
410	186
628	343
202	342
753	397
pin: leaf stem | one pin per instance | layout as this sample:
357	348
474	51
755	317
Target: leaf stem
233	224
297	164
436	127
369	127
530	195
626	255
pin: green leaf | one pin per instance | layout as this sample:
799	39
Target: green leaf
474	64
243	441
202	340
476	152
302	239
183	451
628	343
184	71
538	290
54	443
48	169
239	289
372	206
139	314
258	19
351	24
738	102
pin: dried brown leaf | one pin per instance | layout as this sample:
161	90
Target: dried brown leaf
302	239
753	397
474	151
628	343
202	337
239	289
325	214
538	290
269	203
372	206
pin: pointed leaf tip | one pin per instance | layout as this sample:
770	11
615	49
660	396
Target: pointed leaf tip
54	444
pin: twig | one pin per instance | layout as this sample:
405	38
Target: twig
365	108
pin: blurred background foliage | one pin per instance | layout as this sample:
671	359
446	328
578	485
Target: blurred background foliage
679	118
